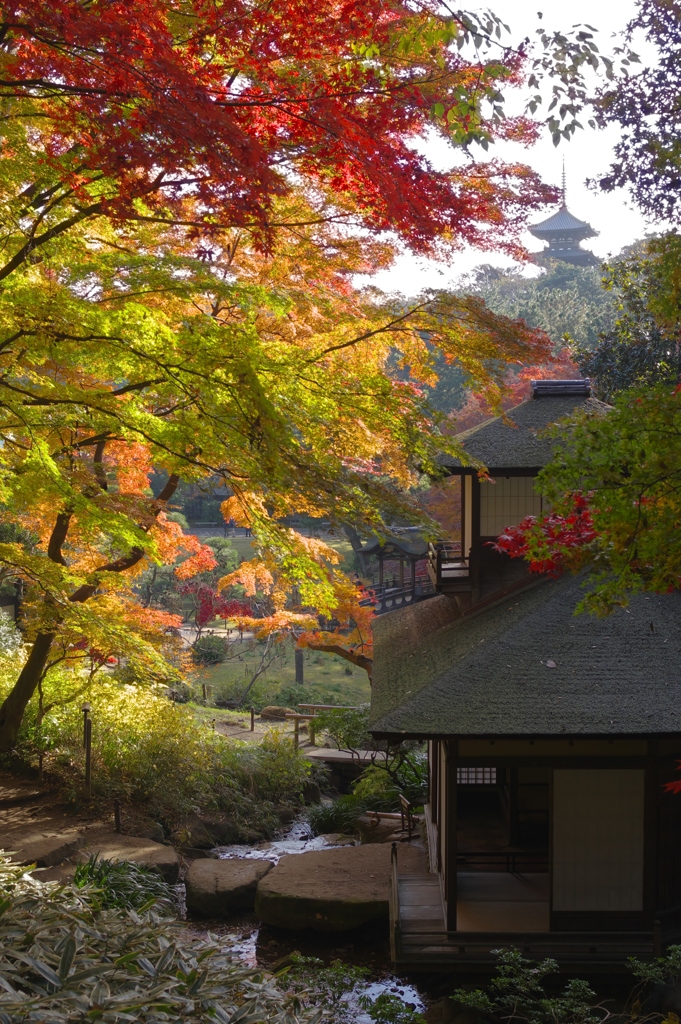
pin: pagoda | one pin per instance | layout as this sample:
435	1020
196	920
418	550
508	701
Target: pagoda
564	233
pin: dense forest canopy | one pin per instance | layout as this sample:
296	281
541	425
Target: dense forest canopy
569	303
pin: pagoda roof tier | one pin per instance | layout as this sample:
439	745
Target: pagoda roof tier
562	224
517	441
568	252
527	666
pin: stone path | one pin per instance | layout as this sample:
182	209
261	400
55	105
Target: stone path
34	830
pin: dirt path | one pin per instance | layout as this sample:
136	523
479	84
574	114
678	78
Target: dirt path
27	810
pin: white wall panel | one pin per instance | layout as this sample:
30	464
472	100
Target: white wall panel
598	839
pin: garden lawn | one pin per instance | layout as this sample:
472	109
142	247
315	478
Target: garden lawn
326	678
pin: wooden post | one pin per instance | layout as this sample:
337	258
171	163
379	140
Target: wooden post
394	906
86	712
449	825
300	667
476	550
311	732
405	815
205	693
296	726
252	719
117	815
88	758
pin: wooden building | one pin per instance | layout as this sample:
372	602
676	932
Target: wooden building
550	738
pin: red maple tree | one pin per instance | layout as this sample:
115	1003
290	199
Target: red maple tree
203	114
549	542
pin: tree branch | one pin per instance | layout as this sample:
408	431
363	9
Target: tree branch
360	660
22	255
125	561
58	536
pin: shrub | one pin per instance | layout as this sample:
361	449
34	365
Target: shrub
148	750
387	1008
210	650
331	986
663	970
376	788
124	885
518	994
349	729
293	694
229	693
340	816
65	959
327	985
404	772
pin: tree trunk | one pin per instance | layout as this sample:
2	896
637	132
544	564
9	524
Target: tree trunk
14	705
357	544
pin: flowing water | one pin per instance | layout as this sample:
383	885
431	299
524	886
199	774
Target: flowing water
259	946
297	839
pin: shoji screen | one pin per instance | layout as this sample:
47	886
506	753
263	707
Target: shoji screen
506	502
598	839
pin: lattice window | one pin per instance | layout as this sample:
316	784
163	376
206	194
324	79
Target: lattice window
476	776
506	502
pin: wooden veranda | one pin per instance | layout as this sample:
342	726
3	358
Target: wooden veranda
419	940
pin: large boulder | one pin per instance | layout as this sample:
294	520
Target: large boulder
373	829
216	888
333	890
145	852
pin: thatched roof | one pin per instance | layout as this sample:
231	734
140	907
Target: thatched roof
488	674
521	445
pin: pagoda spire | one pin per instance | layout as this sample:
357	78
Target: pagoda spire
563	188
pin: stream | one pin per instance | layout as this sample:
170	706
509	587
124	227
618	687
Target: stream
297	839
260	946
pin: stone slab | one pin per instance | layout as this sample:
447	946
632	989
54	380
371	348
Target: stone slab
216	888
43	850
334	890
63	875
145	852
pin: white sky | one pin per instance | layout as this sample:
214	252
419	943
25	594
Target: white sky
587	155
